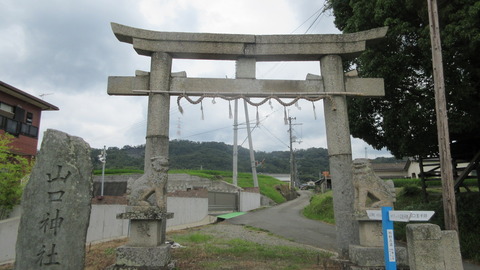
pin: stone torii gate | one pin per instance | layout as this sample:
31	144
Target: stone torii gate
159	84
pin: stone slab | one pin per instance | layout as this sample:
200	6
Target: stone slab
353	267
144	213
130	86
146	233
143	257
451	250
373	256
430	248
370	233
56	206
234	46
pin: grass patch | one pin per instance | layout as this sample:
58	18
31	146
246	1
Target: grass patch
321	208
265	183
221	253
430	183
255	229
193	238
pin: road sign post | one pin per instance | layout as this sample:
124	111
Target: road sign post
388	240
387	215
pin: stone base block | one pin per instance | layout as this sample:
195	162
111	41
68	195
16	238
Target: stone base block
370	233
146	233
374	268
144	258
373	257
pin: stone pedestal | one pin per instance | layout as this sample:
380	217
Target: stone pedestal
430	248
372	257
146	248
369	254
370	232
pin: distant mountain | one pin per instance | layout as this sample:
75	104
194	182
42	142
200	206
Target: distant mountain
218	156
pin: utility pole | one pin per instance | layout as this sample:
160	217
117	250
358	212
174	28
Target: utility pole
235	144
103	158
293	169
449	204
250	145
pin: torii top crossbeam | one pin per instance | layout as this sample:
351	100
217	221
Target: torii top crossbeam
252	47
260	47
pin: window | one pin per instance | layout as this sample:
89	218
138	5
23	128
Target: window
29	118
12	127
6	107
12	121
33	132
29	130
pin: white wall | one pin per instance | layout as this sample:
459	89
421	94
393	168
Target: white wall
186	210
104	224
249	201
8	238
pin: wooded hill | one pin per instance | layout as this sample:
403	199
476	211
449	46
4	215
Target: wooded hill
218	156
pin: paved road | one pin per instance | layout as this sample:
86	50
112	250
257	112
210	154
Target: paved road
287	221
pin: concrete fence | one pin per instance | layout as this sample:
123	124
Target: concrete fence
188	212
250	199
189	205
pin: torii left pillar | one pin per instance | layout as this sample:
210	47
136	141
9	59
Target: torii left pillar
146	248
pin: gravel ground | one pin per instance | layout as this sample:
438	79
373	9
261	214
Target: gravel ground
231	231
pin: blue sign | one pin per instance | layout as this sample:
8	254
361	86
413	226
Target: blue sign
388	240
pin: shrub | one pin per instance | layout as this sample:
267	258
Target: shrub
13	169
410	191
321	208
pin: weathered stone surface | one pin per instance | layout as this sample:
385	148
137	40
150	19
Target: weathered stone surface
144	213
370	232
340	153
429	248
152	184
373	256
56	206
234	46
143	257
371	192
364	87
451	250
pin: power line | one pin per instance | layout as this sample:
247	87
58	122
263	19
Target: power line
318	11
271	134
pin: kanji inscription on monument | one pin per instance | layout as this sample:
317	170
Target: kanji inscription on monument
56	206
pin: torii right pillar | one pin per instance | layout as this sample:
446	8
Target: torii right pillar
340	153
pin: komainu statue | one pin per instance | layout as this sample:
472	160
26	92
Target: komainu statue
371	192
139	191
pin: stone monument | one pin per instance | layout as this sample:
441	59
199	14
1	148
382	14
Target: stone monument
371	193
56	206
430	248
332	87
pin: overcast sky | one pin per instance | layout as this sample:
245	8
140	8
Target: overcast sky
64	51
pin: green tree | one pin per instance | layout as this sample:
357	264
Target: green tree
404	121
13	168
